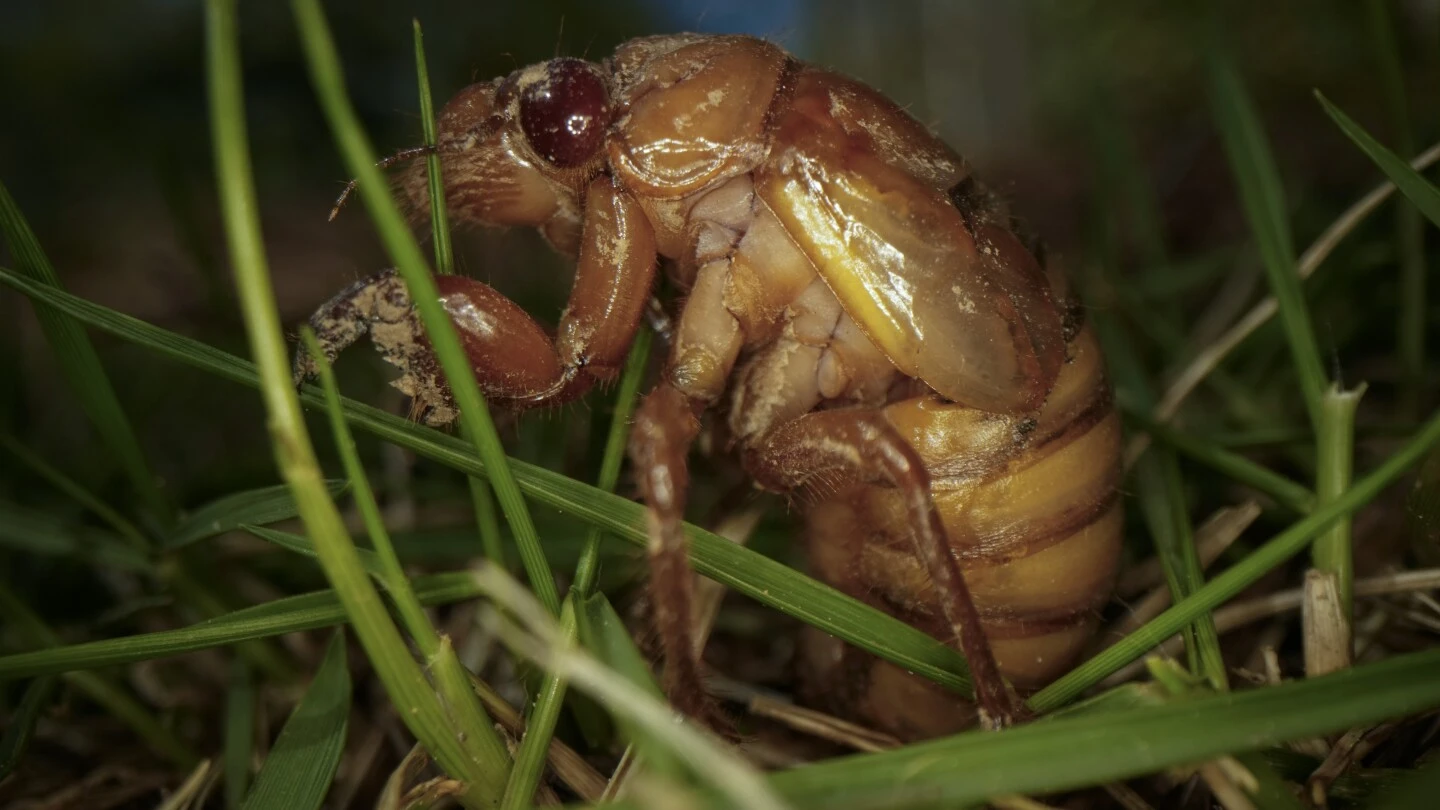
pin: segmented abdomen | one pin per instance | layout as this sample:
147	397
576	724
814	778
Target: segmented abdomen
1031	508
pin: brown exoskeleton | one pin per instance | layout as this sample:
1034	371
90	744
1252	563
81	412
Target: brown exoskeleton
860	306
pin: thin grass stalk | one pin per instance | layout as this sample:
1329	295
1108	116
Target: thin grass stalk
1262	195
1336	458
540	726
1287	492
81	367
481	497
325	72
416	703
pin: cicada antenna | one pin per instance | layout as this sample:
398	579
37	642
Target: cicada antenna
399	157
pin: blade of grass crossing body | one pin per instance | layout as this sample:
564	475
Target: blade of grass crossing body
416	703
1235	579
81	365
540	726
1408	235
1262	196
239	733
400	244
767	581
298	772
453	685
481	497
104	692
439	220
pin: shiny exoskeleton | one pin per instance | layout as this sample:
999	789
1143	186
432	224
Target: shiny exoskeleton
863	312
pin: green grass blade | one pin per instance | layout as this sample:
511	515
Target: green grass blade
439	219
1068	753
1162	499
741	569
1287	492
391	572
239	733
80	365
462	755
604	633
1235	579
400	244
481	497
706	756
290	614
34	532
231	512
1336	458
1263	198
452	683
301	766
530	759
303	545
21	726
75	491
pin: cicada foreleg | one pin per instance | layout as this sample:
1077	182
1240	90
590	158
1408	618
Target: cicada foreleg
513	358
861	445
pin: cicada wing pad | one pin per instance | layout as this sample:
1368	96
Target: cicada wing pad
968	312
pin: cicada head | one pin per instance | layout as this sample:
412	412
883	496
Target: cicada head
517	151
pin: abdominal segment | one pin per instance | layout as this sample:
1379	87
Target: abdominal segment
1031	510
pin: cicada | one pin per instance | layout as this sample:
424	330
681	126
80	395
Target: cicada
869	321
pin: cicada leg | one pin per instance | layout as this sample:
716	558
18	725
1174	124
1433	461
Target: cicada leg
513	358
861	445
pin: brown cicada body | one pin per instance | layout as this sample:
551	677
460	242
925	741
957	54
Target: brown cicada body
858	306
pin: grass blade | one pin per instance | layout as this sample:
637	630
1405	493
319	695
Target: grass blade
80	365
530	759
707	757
463	755
291	614
400	244
605	635
439	220
240	732
1065	753
22	722
256	506
1263	198
301	766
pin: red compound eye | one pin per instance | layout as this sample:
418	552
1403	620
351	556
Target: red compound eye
564	115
